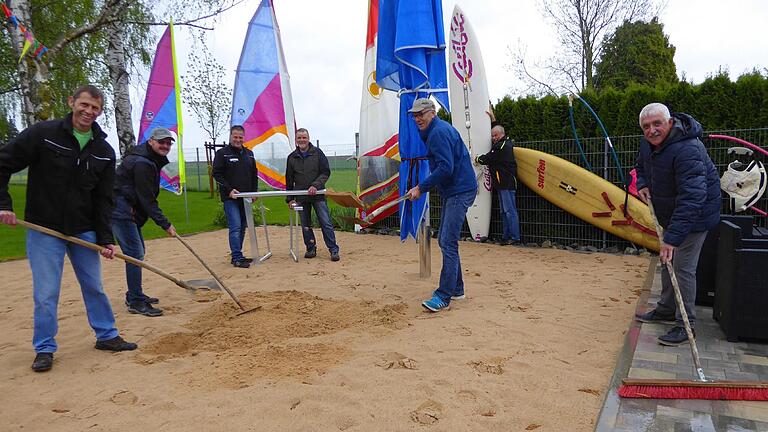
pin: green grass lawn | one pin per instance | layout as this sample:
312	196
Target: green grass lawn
202	212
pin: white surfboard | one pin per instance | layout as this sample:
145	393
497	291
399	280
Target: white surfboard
469	103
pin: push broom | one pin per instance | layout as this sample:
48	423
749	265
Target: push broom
701	387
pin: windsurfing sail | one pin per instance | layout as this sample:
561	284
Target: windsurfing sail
378	156
262	101
162	108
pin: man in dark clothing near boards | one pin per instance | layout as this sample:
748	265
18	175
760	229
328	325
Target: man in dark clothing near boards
307	168
501	162
69	189
676	174
137	185
452	175
234	168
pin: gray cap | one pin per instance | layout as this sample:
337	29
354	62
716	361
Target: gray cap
422	104
161	133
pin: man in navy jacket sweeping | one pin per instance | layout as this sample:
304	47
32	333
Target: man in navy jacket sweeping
676	174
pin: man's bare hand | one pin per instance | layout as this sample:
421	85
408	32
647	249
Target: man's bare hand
312	190
8	217
644	194
666	253
414	193
171	231
233	192
108	251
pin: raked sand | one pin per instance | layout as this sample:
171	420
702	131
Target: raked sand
335	346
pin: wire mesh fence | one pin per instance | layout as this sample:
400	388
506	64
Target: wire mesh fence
540	220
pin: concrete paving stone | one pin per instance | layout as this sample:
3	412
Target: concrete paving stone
760	371
734	424
697	405
657	356
738	409
741	376
641	373
752	359
709	355
720	364
756	349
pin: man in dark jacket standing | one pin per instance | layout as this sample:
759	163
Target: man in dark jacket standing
234	169
137	185
69	189
307	168
501	162
676	174
452	175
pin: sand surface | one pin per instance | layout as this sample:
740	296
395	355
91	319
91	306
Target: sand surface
335	346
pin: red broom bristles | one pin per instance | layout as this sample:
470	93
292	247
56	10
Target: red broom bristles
710	391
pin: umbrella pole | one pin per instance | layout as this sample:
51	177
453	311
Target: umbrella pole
425	249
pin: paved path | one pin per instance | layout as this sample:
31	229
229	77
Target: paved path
643	357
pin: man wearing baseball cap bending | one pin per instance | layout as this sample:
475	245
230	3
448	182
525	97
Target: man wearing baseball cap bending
452	175
137	185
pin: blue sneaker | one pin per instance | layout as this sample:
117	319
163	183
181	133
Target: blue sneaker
435	304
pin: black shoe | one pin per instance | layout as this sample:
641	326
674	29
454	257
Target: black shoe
335	256
144	308
115	344
652	317
150	300
43	362
241	263
676	336
248	260
310	253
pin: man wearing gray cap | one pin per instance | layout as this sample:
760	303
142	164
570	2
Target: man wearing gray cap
137	185
452	175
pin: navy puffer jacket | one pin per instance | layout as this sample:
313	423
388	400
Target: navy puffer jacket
682	180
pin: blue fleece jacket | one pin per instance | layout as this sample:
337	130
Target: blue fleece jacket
450	168
682	180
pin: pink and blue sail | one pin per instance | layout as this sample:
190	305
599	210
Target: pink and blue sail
162	107
262	101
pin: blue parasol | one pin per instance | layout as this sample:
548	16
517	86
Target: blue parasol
411	60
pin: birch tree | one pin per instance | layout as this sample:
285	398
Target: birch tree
581	27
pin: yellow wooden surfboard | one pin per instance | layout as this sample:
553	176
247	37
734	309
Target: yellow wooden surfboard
586	196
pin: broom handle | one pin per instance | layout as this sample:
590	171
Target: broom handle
210	270
679	300
98	248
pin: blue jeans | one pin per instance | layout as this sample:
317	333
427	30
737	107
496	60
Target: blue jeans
510	221
326	226
235	213
46	260
128	235
452	218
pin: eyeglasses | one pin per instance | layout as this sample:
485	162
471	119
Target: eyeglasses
420	114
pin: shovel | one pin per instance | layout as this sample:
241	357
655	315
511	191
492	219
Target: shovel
98	248
215	276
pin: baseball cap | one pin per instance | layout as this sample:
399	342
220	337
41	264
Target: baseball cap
161	133
421	104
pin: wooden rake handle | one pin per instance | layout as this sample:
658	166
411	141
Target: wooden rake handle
98	248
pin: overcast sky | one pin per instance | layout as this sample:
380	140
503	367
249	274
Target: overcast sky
324	48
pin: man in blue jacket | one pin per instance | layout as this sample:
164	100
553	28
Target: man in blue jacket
137	185
676	174
69	189
452	175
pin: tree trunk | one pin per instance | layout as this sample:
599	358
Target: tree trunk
21	10
118	74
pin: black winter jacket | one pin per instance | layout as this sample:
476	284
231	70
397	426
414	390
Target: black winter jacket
235	169
137	185
683	181
302	172
68	189
501	162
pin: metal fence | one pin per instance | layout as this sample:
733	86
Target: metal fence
540	220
